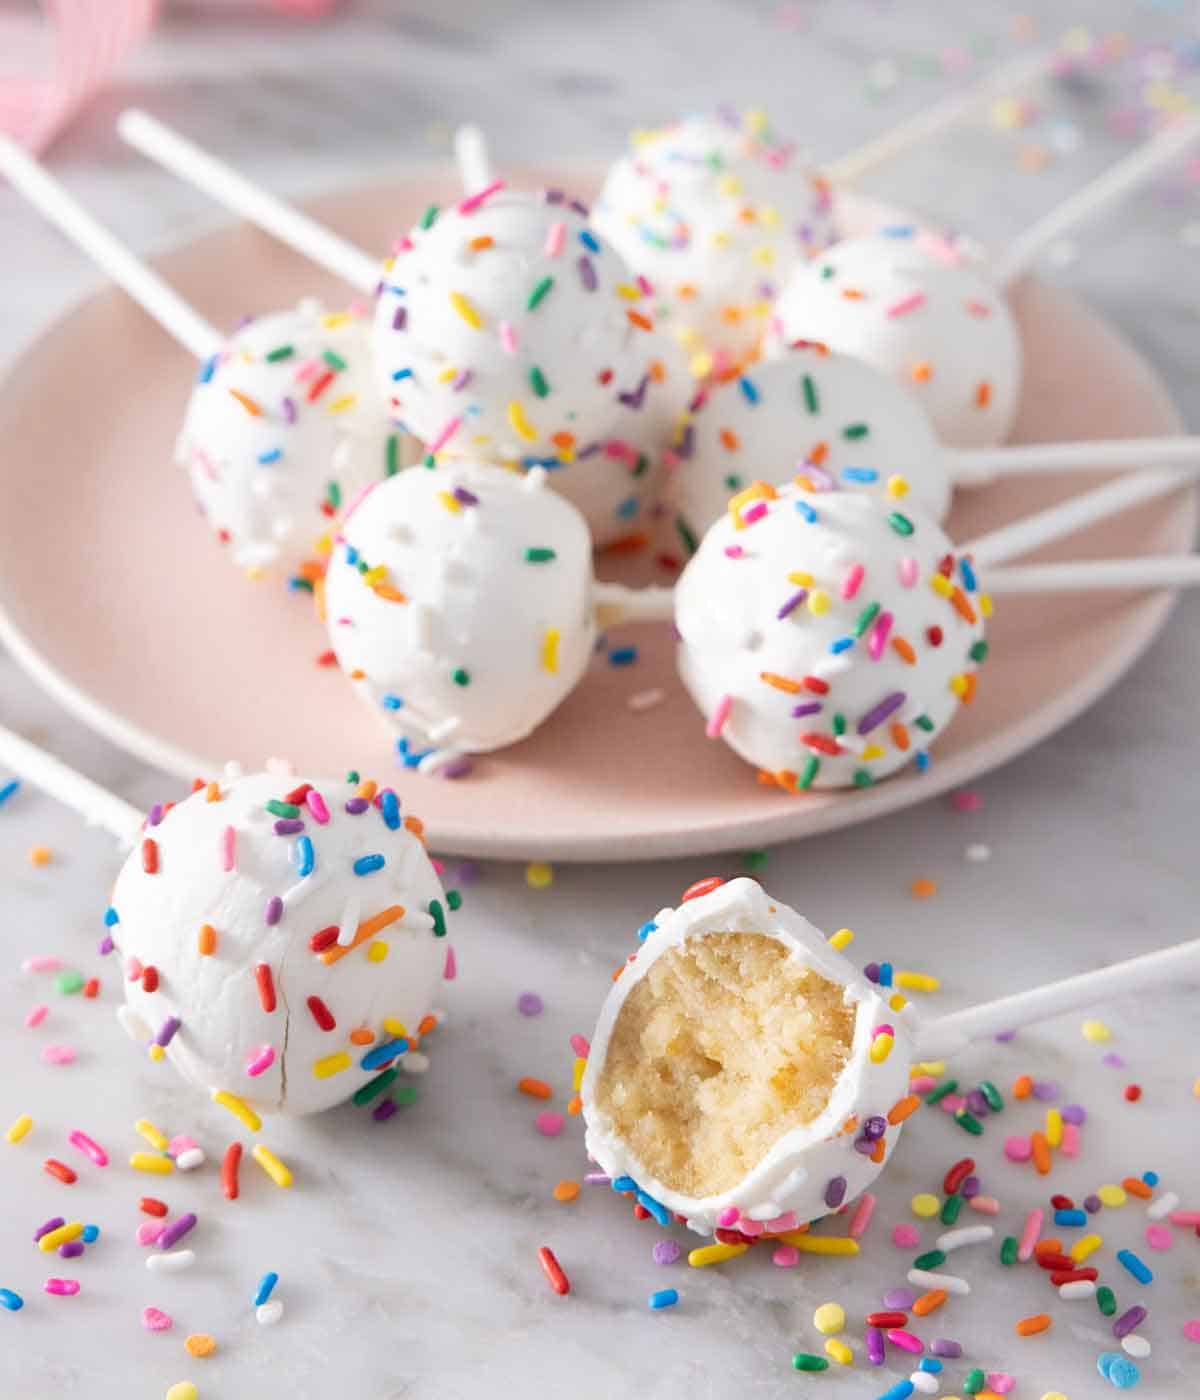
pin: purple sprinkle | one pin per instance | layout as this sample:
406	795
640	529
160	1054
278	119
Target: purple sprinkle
874	1128
71	1250
820	478
155	815
977	1103
461	380
864	1146
970	1188
1046	1090
400	319
578	207
553	196
875	1352
812	707
686	444
468	872
876	716
530	1004
105	946
1092	1204
176	1230
288	826
899	1299
383	1111
588	450
1128	1320
597	1179
835	1192
587	274
945	1346
871	972
166	1032
274	909
790	607
458	769
666	1252
636	397
465	497
1113	1060
357	806
1074	1113
45	1229
289	409
1004	1037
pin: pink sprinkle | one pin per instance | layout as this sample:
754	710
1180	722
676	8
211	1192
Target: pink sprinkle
89	1147
728	1217
155	1320
787	1256
985	1205
862	1215
1188	1219
719	717
58	1055
853	580
262	1060
228	849
447	432
45	962
734	551
148	1231
450	970
879	635
1001	1382
966	800
979	308
1159	1236
403	245
753	1228
952	1103
508	338
305	371
180	1143
909	571
645	286
473	201
781	1223
1191	1329
581	1046
61	1287
316	805
1029	1236
133	969
36	1014
905	305
1019	1149
1069	1147
754	512
922	1083
882	1029
355	501
556	236
906	1236
549	1124
905	1340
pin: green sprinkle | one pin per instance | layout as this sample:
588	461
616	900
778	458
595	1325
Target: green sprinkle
755	860
901	523
539	293
461	677
537	382
333	360
68	983
732	482
931	1259
690	542
335	494
453	899
808	774
806	1361
439	918
855	431
1106	1300
991	1095
1008	1251
392	458
969	1122
282	809
406	1094
374	1087
429	217
539	555
978	652
838	725
827	272
865	618
300	585
811	401
429	460
951	1207
924	722
863	779
281	352
354	776
974	1381
936	1095
643	466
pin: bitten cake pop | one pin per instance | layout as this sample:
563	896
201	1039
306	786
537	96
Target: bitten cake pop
281	940
826	638
460	602
745	1076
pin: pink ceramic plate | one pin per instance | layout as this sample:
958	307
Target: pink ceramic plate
117	599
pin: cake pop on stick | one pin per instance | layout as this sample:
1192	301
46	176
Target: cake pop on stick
933	315
282	424
1097	575
471	157
745	1076
282	941
841	422
505	329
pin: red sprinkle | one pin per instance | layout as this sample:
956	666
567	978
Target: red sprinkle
1055	1262
149	979
1073	1276
553	1271
815	685
887	1319
60	1170
1133	1092
266	986
321	1014
91	987
152	1206
297	795
323	938
953	1179
701	887
1062	1203
150	856
229	1170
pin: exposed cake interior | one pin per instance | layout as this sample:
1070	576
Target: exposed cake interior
724	1046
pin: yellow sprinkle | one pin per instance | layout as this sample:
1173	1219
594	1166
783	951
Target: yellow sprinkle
700	366
985	604
241	1111
393	1026
63	1235
897	1001
466	310
271	1164
820	1244
577	1070
715	1254
916	981
729	185
340	405
755	120
376	575
840	1352
940	584
550	640
182	1390
39	855
1088	1245
519	423
763	255
331	1065
378	950
19	1128
151	1162
841	939
959	685
627	292
1054	1395
157	1053
830	1319
154	1136
539	874
1096	1031
801	580
897	487
453	505
817	602
200	1344
769	215
869	752
1054	1127
1112	1196
1196	1089
925	1205
934	1067
881	1048
446	375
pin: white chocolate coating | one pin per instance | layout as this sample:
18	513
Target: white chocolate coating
833	597
795	1175
814	414
507	331
224	1024
282	426
450	633
715	212
919	309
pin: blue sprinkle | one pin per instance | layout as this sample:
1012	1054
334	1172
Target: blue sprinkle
391	702
1070	1218
646	930
91	1233
351	554
840	645
970	582
749	389
207	370
1150	1178
266	1286
898	230
930	1364
656	1208
628	508
10	1300
1105	1360
862	474
922	762
111	917
410	757
589	240
305	859
266	458
549	463
398	374
389	805
7	791
381	1054
621	1184
807	512
664	1298
1123	1373
622	656
885	974
1134	1265
365	865
900	1391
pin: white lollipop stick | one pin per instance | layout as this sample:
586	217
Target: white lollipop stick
471	155
96	805
1124	177
1045	526
1095	575
236	193
984	464
615	603
949	1034
940	117
145	286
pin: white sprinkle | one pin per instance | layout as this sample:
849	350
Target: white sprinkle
1078	1288
191	1159
348	924
133	1025
922	1278
977	853
969	1234
414	1062
646	699
924	1381
1135	1345
171	1263
269	1313
1162	1205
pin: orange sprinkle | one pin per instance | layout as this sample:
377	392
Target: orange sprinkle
485	240
962	605
575	1106
729	440
212	793
904	651
1022	1086
1136	1187
247	403
1050	1245
686	291
731	314
643	323
1041	1152
566	1191
789	687
923	889
922	371
929	1302
850	1124
658	371
39	855
389	594
1031	1326
983	397
365	930
200	1344
853	294
628	544
426	1024
903	1108
564	441
535	1088
415	825
878	1150
206	942
367	789
899	736
970	683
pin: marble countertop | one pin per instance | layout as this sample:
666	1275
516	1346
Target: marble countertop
407	1252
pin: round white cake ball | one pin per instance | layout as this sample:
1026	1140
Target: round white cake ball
830	638
283	942
809	1169
715	212
917	308
283	428
830	419
507	331
459	600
